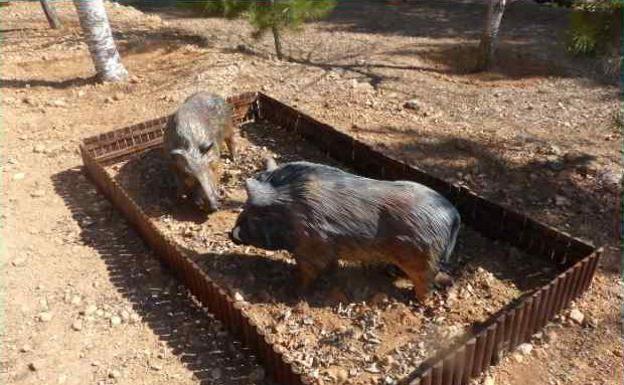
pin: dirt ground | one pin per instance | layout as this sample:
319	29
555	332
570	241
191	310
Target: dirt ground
85	302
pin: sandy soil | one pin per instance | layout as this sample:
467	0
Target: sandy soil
84	300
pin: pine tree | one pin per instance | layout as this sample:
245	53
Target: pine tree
276	16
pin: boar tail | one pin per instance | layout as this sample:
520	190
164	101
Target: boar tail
448	250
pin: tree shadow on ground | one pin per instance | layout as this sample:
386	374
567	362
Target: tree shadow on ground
58	84
194	336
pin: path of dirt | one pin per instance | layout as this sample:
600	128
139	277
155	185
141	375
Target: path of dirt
86	303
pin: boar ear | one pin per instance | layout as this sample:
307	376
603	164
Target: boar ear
269	163
258	193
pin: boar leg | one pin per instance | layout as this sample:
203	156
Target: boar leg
312	260
416	266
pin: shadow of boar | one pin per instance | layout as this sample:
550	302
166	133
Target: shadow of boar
322	214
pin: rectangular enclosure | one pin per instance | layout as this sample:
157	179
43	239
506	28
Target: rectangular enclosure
564	266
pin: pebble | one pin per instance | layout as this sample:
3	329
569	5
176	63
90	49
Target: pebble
517	357
89	310
114	374
413	104
76	300
37	194
115	321
118	96
34	366
488	381
39	148
525	348
561	200
45	316
340	375
156	366
17	262
25	349
216	373
125	316
577	316
58	103
29	101
19	176
77	325
238	297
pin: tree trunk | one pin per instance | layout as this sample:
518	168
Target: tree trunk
50	13
278	42
489	38
97	31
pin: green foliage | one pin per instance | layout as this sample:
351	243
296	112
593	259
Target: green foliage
266	15
595	27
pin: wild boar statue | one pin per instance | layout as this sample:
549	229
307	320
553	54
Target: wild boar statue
193	139
321	214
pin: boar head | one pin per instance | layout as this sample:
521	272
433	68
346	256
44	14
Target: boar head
265	220
194	167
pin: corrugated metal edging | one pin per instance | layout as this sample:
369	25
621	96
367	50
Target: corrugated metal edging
511	326
207	292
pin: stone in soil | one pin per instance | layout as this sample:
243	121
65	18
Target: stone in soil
77	325
115	321
89	310
114	374
489	381
577	316
25	349
525	348
45	316
17	262
156	366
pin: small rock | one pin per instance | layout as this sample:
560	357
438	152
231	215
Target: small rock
551	336
115	374
125	316
216	373
28	100
77	325
39	148
45	316
37	194
525	349
34	366
25	349
19	176
373	369
19	261
576	316
389	380
413	104
156	366
134	79
75	300
134	318
561	201
238	297
340	375
108	100
81	93
257	374
517	357
115	321
118	96
58	103
489	381
89	310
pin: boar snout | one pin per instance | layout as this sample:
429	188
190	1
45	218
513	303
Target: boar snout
206	196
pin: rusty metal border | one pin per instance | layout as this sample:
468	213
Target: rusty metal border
482	347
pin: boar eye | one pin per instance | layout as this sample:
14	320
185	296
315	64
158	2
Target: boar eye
204	148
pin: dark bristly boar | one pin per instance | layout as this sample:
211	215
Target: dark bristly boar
193	140
321	214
